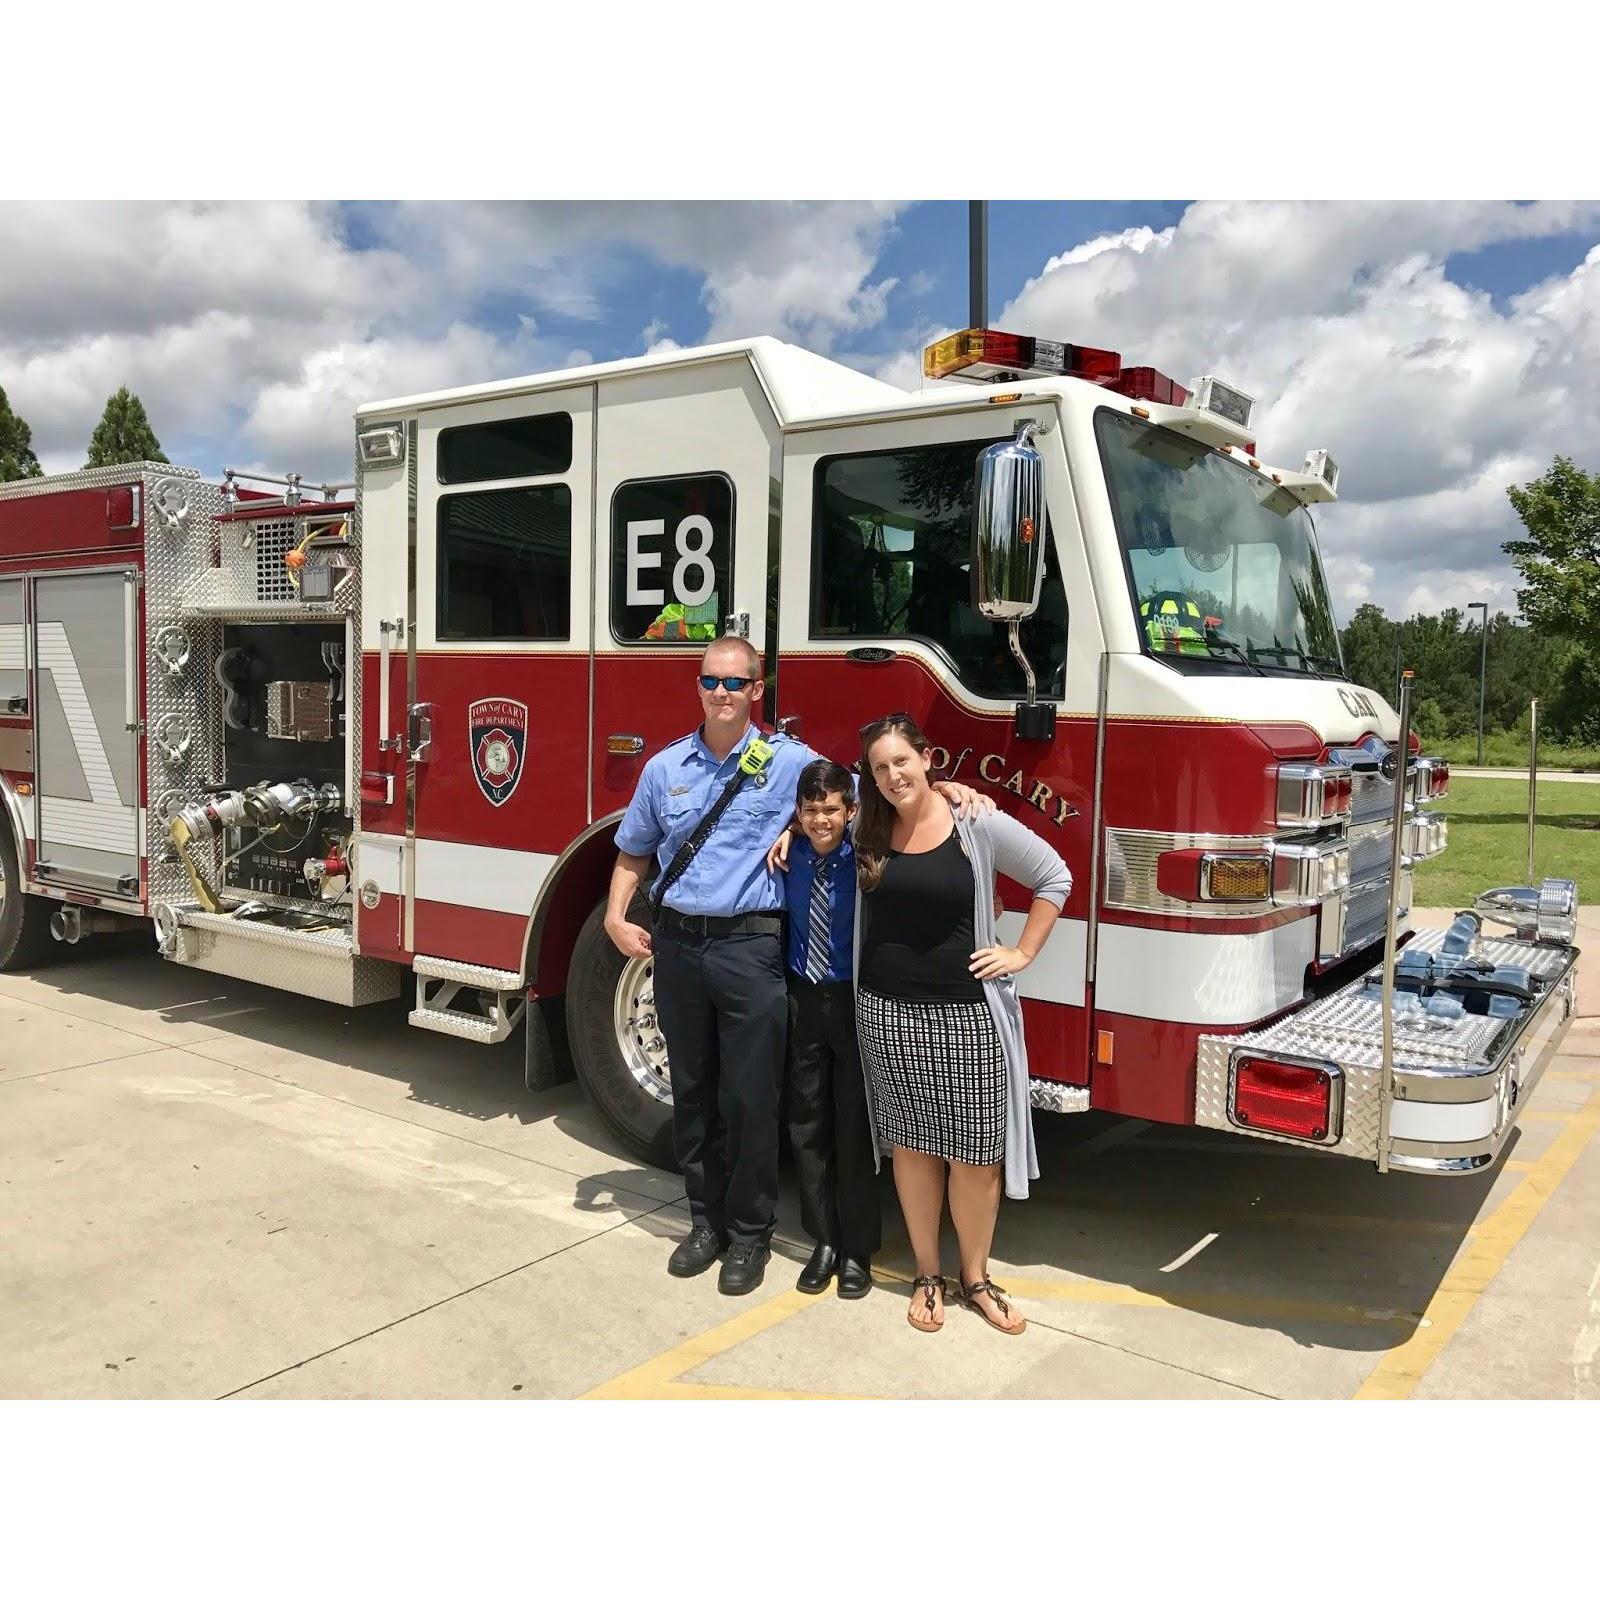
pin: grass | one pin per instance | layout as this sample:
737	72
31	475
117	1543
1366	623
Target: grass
1489	840
1511	750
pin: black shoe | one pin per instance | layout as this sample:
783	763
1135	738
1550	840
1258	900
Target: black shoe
855	1277
814	1275
696	1253
744	1269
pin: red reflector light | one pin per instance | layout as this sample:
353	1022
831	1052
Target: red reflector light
1338	790
1439	780
1280	1097
121	508
1145	383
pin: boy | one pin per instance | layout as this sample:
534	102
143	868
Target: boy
825	1100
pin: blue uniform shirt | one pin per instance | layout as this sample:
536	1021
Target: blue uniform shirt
838	869
678	786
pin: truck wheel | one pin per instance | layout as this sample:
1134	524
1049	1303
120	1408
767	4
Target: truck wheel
617	1045
24	918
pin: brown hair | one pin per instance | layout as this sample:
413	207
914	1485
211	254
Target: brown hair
876	817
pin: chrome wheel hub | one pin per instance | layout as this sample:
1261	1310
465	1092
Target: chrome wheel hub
639	1035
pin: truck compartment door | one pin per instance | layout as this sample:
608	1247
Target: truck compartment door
85	701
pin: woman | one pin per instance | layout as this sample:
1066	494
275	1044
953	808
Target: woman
937	1010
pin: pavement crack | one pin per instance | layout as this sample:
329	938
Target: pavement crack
78	1066
1171	1366
426	1127
510	1272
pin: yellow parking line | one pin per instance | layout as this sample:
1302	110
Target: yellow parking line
1574	1077
648	1380
1545	1116
1397	1375
1520	1166
731	1391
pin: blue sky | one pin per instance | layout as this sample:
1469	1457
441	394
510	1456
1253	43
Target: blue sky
1441	350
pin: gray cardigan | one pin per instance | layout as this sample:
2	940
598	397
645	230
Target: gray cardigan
998	843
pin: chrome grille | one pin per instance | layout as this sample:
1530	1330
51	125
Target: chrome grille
1369	856
1372	797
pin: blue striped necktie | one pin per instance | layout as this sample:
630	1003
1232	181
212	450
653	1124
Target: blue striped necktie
817	932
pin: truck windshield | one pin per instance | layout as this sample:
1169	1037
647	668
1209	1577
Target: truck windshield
1222	565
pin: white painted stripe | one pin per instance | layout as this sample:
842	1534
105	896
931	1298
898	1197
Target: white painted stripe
479	875
1209	978
1057	973
56	657
1460	1123
1189	1254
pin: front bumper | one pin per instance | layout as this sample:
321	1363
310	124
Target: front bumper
1458	1086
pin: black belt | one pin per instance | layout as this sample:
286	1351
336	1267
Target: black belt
719	927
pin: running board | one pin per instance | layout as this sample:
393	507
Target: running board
1048	1096
500	1005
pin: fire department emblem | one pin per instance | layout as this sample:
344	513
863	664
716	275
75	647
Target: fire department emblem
497	731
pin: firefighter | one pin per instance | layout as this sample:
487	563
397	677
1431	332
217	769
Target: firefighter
1174	624
719	970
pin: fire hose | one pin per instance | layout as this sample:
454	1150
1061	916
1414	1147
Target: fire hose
263	806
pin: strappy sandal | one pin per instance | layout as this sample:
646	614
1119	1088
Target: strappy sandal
927	1285
969	1290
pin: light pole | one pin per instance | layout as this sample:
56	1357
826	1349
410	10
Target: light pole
977	263
1483	662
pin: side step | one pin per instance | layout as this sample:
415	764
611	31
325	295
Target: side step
496	994
1048	1096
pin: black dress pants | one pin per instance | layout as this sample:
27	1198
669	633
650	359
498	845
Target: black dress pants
724	1013
825	1105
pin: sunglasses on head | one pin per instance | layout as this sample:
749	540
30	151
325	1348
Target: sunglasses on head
709	681
883	724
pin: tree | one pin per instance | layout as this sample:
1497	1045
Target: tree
1559	561
123	434
17	459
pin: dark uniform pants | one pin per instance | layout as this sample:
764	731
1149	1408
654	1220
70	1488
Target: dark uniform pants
825	1105
723	1011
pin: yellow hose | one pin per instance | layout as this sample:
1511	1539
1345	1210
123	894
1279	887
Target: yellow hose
184	842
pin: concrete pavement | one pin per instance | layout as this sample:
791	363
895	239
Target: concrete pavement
213	1189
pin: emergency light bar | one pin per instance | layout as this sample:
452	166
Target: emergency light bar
981	355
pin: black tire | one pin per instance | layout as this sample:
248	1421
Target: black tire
24	918
633	1114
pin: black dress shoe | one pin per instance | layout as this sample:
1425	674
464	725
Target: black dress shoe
814	1275
855	1277
696	1253
744	1269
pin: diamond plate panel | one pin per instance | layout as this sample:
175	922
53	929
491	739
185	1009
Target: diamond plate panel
1346	1028
318	963
97	478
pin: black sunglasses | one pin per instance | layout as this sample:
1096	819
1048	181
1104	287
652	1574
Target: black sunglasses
708	682
885	722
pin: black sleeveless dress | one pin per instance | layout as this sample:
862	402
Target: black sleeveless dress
934	1061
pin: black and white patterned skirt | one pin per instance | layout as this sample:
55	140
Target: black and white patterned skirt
937	1073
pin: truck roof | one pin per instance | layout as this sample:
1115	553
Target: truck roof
801	385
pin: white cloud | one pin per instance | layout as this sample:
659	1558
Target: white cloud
1340	318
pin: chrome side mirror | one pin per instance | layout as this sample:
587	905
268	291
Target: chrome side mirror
1008	529
1008	555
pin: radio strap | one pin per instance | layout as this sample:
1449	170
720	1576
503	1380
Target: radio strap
753	762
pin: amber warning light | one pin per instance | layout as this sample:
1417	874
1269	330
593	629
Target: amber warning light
985	355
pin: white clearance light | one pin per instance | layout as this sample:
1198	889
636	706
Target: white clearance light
383	447
1232	405
1319	464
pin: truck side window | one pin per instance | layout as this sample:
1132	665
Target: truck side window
514	447
891	555
505	564
671	559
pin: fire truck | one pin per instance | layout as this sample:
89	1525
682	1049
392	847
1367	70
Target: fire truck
323	737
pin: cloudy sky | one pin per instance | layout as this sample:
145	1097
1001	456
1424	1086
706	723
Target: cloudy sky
1441	351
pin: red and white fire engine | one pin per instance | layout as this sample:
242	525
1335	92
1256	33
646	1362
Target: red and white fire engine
324	737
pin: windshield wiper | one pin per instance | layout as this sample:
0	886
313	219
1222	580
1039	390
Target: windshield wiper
1215	641
1283	651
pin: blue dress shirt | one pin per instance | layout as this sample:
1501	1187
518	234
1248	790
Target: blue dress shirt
678	786
838	868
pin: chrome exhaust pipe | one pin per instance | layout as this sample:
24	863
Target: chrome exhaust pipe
72	924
